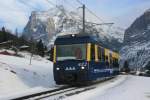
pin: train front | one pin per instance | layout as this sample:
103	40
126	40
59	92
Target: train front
70	61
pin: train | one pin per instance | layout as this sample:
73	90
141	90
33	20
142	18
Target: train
81	59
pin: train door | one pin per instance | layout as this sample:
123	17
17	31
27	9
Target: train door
92	65
101	63
96	63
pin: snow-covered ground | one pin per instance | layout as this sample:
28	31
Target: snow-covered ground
125	88
18	76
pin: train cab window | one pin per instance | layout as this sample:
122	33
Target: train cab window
92	52
71	52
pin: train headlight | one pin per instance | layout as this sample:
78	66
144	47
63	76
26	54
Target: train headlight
73	35
82	67
57	68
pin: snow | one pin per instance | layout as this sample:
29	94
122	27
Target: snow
137	54
18	76
24	46
125	88
148	10
133	35
5	42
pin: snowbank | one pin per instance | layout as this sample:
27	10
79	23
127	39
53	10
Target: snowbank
17	75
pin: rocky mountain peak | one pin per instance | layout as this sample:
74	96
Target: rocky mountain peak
136	48
139	30
148	10
46	25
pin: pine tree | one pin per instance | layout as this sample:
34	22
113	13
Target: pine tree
4	36
3	29
40	48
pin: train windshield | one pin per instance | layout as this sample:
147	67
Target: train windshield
71	52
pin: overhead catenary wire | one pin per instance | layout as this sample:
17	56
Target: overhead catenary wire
55	6
90	11
95	24
86	22
71	5
27	4
51	3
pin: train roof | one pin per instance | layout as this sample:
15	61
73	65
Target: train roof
75	38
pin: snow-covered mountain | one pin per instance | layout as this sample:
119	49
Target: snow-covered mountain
137	42
46	25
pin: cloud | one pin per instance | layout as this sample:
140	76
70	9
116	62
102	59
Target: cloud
15	13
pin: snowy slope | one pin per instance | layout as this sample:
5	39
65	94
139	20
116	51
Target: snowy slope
136	49
18	76
137	55
125	88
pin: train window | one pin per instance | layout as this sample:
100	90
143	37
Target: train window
106	61
99	53
106	58
110	59
115	63
92	52
103	54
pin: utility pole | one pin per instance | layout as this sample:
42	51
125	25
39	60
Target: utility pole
83	19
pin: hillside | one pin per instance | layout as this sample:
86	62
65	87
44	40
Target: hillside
19	77
136	48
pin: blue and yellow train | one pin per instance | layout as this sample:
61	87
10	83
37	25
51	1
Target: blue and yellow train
80	59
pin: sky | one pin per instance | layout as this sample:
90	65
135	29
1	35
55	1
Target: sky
15	13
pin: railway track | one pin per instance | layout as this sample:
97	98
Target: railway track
55	94
62	92
31	96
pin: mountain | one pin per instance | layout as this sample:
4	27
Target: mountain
47	25
136	48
